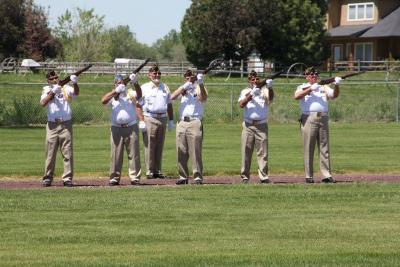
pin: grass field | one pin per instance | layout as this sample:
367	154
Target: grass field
360	148
231	225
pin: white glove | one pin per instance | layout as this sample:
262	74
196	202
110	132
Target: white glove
133	78
200	78
142	126
56	89
255	91
315	87
187	86
170	125
120	88
269	83
73	78
337	80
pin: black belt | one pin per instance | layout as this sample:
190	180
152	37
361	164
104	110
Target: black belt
189	119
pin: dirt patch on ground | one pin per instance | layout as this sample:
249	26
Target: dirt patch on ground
27	183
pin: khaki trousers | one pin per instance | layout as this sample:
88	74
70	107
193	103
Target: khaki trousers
254	135
189	141
59	135
153	140
314	130
129	138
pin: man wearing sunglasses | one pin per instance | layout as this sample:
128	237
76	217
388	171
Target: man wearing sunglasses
157	112
59	126
255	102
314	122
189	130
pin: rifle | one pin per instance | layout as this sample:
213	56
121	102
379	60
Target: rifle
272	76
127	79
67	80
212	65
331	80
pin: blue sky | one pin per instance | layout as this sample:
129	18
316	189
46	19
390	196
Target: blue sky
149	20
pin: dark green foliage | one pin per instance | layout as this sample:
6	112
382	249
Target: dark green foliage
11	27
284	31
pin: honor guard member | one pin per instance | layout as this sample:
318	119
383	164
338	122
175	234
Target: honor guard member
189	130
255	102
314	122
59	126
157	109
124	129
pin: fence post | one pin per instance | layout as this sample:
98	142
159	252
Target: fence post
398	98
241	68
232	103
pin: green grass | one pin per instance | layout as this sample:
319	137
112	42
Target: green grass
355	148
235	225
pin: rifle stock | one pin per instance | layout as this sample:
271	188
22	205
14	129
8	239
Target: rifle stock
332	79
272	76
67	80
127	79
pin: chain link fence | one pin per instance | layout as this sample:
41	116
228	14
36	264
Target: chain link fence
358	102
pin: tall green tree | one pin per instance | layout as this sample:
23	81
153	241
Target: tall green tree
39	42
283	31
83	36
12	22
170	47
123	44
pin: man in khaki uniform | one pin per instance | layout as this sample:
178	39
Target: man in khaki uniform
189	130
314	122
255	102
156	105
59	126
124	129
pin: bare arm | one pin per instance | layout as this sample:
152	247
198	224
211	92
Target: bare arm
336	91
203	94
76	89
107	97
47	99
271	94
170	112
245	100
177	93
139	112
138	90
302	93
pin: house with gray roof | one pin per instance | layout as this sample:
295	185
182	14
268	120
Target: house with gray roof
365	30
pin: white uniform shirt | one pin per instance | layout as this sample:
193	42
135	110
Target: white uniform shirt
58	108
190	105
123	110
256	108
155	99
316	101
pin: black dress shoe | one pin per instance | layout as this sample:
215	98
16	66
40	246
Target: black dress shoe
309	180
265	181
68	183
181	181
245	180
113	183
46	183
198	181
329	180
160	175
135	182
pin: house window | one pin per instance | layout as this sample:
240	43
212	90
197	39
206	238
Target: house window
363	51
337	52
361	11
